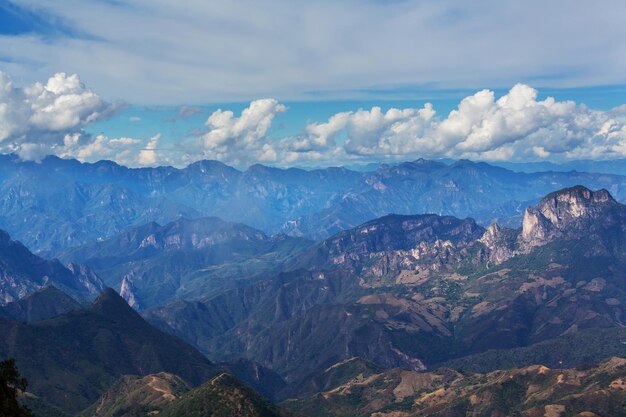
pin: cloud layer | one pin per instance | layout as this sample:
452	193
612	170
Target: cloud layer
240	50
514	127
49	118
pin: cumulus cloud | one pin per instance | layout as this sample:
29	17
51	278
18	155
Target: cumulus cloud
49	118
149	156
516	126
123	150
242	140
35	120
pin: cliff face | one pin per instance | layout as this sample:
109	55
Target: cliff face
499	242
567	214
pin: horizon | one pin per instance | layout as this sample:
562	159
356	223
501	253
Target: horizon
617	167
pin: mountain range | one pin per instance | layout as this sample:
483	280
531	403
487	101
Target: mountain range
516	311
68	203
417	291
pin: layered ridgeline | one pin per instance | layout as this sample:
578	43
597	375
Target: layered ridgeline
153	264
420	291
405	293
22	273
68	203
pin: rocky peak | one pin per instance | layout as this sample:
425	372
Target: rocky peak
499	242
563	212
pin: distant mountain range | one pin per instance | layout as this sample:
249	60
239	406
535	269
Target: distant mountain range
614	166
68	203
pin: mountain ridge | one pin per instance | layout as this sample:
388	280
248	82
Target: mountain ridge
103	198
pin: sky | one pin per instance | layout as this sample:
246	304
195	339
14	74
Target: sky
315	83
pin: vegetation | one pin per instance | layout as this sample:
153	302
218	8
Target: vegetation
11	385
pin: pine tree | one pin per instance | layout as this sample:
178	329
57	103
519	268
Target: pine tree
11	383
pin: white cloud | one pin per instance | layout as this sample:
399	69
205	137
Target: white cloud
91	149
48	118
149	156
242	140
35	120
516	126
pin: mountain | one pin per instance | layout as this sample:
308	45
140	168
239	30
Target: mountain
461	189
222	396
567	213
22	273
614	166
335	310
70	360
43	304
564	215
530	391
69	203
383	245
419	291
186	258
132	395
166	394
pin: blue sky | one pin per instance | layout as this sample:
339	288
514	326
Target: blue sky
139	61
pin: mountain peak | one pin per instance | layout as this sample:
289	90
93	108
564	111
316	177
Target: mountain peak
578	195
111	305
564	209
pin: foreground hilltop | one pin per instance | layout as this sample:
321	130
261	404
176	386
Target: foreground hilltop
532	391
71	359
168	395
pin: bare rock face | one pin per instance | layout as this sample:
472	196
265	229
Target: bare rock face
127	291
87	278
499	242
565	214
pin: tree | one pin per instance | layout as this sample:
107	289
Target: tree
11	383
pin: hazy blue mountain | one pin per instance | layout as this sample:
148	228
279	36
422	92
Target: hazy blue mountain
462	189
22	273
68	203
614	166
186	258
